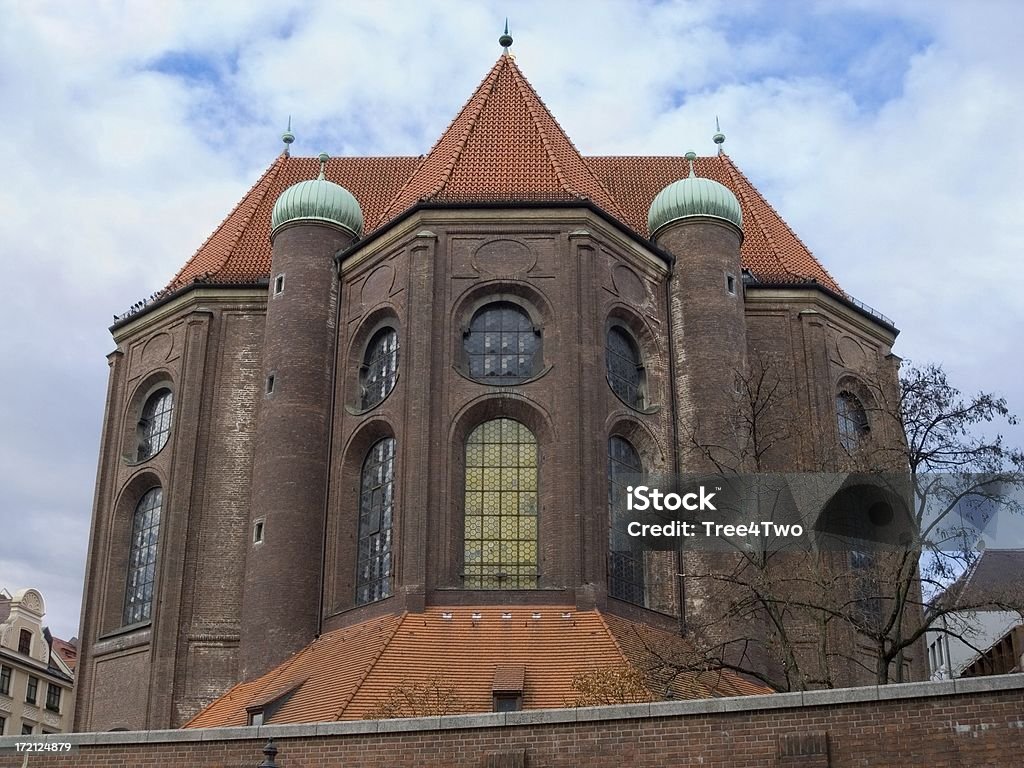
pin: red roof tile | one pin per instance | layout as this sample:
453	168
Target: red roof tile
67	651
771	250
503	146
346	674
239	249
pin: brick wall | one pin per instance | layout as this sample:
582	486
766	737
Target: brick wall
971	722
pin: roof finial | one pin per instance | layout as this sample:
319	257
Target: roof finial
719	137
505	41
288	137
691	156
323	157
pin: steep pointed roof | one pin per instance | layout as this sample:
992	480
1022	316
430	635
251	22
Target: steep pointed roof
503	146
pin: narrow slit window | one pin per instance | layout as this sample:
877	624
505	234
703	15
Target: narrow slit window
257	532
278	285
271	381
730	284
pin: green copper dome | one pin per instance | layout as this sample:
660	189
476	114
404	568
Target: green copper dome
318	200
693	196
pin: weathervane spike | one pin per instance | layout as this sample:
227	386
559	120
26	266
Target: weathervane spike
505	41
288	137
719	137
323	157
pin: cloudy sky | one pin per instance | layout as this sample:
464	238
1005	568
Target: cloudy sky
888	134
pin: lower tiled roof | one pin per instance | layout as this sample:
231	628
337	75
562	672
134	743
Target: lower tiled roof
348	673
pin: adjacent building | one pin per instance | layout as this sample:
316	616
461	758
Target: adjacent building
36	669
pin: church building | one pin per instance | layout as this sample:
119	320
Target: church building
357	456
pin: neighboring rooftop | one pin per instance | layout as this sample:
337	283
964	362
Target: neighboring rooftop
503	146
996	580
473	652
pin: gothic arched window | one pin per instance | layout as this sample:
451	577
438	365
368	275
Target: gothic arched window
501	507
852	420
502	345
624	366
625	557
380	366
155	423
138	593
376	517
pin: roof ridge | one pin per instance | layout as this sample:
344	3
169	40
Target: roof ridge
480	96
268	176
768	236
369	667
733	172
520	81
523	82
622	651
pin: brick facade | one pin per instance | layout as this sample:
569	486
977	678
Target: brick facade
259	531
971	722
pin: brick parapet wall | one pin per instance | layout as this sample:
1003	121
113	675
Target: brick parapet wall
970	722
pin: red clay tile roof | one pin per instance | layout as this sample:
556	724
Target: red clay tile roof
995	579
349	672
771	250
67	651
333	667
239	249
503	146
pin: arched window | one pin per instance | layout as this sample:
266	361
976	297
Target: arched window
376	516
380	366
501	507
625	369
625	557
155	423
502	345
852	420
138	593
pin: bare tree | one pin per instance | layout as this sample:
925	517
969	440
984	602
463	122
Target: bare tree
796	619
620	684
410	699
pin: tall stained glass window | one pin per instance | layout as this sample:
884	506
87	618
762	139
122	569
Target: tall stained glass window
376	516
138	593
625	558
501	507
